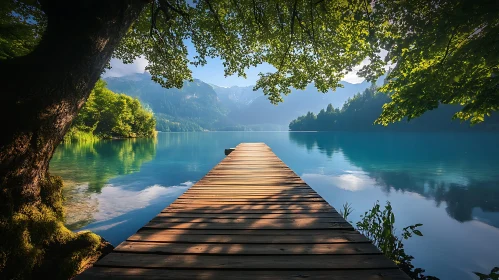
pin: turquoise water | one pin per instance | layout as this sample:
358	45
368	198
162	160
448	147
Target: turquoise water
447	182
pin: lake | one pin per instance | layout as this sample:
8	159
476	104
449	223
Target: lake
449	182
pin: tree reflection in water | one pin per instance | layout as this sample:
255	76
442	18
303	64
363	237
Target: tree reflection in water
458	169
86	168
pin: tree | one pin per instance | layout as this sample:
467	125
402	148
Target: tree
57	51
42	93
110	115
446	52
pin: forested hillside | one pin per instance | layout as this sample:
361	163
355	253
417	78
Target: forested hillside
360	112
194	107
110	115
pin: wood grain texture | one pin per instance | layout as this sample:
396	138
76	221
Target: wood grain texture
250	217
230	261
247	249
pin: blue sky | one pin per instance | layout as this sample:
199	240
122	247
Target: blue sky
212	72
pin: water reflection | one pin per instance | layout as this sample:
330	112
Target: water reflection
122	211
95	163
86	169
350	181
456	169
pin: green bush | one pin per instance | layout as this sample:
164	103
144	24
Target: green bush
378	225
110	115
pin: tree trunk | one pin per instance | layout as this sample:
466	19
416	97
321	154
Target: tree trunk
43	91
41	94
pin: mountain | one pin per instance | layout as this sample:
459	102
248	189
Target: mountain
236	97
201	106
260	111
193	107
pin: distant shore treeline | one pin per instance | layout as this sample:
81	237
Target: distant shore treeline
360	112
108	115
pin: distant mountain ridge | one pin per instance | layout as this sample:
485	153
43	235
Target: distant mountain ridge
236	96
299	102
202	106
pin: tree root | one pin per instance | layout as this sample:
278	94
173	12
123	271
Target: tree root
34	240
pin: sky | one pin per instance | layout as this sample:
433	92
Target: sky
212	72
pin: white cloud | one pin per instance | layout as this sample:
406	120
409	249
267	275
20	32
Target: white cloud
351	77
215	69
119	69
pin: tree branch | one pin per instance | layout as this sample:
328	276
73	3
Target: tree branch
312	20
153	19
165	3
447	48
216	16
255	14
368	17
293	15
309	34
279	15
45	6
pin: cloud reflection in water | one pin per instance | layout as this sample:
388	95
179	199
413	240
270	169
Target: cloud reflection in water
349	180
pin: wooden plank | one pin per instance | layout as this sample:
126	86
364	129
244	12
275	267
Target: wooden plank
249	173
279	236
215	190
196	198
249	215
260	182
263	178
261	198
242	193
234	210
256	194
267	171
235	195
280	187
211	202
259	224
246	207
265	198
249	167
160	218
251	187
248	198
115	273
247	262
247	249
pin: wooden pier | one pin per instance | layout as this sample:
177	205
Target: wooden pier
250	217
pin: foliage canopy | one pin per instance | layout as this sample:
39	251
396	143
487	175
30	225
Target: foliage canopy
442	52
